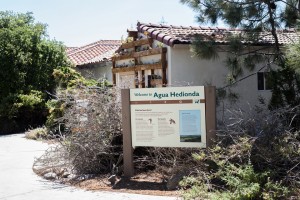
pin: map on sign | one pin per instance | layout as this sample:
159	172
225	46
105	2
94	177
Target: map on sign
168	117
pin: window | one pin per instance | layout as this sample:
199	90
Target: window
263	82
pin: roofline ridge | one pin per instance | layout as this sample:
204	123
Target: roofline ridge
152	25
171	34
91	45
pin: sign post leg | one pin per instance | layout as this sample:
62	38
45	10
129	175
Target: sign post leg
126	127
210	108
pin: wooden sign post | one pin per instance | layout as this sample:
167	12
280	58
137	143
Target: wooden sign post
182	98
127	140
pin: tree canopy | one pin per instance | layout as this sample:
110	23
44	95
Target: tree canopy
27	60
247	14
27	56
254	17
251	15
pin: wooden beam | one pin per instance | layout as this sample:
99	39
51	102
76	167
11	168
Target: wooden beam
143	41
164	66
136	43
114	79
137	68
127	45
136	74
122	57
143	78
138	54
147	52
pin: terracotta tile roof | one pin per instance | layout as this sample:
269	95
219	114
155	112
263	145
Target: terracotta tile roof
70	49
171	35
94	52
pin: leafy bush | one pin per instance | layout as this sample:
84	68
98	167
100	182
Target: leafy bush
255	157
23	110
27	60
56	110
66	77
285	87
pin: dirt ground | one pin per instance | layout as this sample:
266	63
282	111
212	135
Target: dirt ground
148	183
145	183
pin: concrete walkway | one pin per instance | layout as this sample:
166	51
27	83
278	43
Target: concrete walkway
18	182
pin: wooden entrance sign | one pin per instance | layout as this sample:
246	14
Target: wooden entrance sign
189	122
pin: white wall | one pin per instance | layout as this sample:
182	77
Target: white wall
183	69
97	71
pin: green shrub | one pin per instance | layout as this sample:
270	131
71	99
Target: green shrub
274	190
56	111
255	158
66	77
242	181
21	111
230	182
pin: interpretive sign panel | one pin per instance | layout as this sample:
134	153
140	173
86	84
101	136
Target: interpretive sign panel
168	117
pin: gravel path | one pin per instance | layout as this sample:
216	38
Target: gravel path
18	182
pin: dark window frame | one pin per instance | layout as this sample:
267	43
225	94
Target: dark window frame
262	81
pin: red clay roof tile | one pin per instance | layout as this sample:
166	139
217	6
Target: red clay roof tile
94	52
171	35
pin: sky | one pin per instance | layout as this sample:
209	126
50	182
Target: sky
80	22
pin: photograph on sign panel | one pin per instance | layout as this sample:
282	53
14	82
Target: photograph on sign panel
190	126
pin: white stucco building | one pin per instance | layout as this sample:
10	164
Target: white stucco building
159	55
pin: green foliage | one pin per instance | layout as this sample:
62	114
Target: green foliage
233	14
290	14
232	181
56	111
27	61
243	182
250	14
254	16
66	77
285	87
17	104
255	157
251	60
234	66
293	57
285	80
274	190
207	50
23	109
236	61
32	100
27	56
